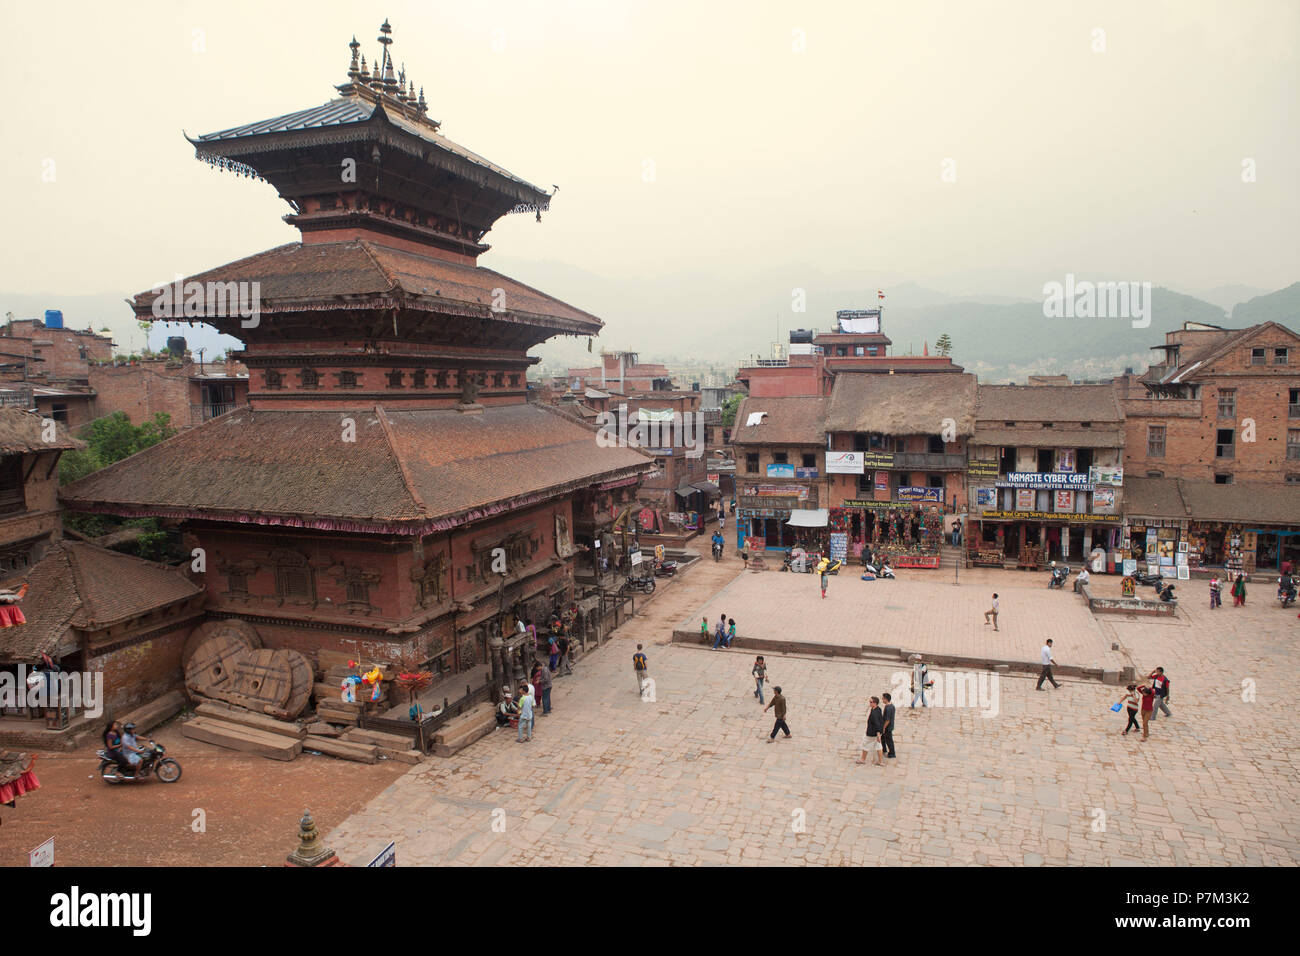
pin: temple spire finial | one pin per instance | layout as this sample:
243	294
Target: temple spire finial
354	72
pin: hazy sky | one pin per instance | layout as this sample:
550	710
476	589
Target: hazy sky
781	134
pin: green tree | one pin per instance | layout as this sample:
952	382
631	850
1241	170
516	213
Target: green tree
729	410
944	345
111	439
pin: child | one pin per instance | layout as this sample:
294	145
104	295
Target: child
1130	701
704	629
760	674
731	630
1215	600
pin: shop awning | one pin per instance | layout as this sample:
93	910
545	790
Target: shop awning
685	491
709	488
809	518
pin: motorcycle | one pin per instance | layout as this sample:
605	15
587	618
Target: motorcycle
665	569
1166	593
1059	574
796	559
717	551
832	566
153	761
645	585
1142	577
1286	593
881	570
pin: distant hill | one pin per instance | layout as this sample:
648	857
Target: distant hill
1282	306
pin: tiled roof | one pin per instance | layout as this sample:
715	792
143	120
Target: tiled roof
787	421
1246	503
346	111
1048	403
408	471
81	585
320	275
902	404
22	431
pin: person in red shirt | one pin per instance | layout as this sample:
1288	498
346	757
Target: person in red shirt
1148	704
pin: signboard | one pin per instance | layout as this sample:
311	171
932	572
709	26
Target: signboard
1025	500
775	491
1046	480
43	855
858	321
882	481
806	473
780	471
712	477
1128	587
980	470
917	493
985	498
844	462
1064	500
1103	475
636	558
1074	518
1103	498
768	505
1065	459
877	459
387	856
659	553
865	503
1130	567
676	517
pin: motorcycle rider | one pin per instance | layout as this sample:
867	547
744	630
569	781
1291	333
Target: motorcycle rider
113	744
131	748
1286	587
718	542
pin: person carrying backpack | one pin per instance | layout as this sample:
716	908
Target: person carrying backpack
641	666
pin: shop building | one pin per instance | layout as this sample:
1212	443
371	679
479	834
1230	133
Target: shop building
896	456
780	454
1045	476
1172	524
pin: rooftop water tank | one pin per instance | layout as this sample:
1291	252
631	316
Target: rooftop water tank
54	318
176	345
801	336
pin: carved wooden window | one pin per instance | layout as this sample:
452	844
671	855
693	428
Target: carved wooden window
274	380
347	379
499	379
514	379
12	496
395	379
310	378
442	379
238	582
358	591
418	378
295	581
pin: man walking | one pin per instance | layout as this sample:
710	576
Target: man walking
525	714
920	680
544	682
760	674
1160	691
887	731
566	657
778	701
1046	673
642	668
993	611
871	739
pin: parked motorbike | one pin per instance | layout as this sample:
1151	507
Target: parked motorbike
153	761
832	566
645	585
1059	574
1166	593
880	570
1142	577
665	569
796	559
1286	592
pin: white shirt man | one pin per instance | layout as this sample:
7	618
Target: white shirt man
1046	674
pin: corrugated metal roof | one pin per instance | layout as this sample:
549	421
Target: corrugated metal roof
334	113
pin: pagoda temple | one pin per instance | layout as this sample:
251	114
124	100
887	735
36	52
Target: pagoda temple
388	491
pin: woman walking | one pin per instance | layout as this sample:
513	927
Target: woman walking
1130	701
1239	590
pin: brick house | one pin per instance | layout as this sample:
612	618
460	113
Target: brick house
779	446
30	449
1222	405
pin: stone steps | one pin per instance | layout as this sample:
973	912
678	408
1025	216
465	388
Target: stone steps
244	739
